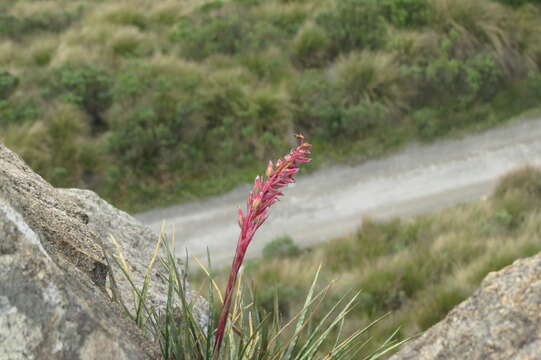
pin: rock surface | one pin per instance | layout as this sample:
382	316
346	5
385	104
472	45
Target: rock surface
45	314
137	243
60	221
501	321
55	277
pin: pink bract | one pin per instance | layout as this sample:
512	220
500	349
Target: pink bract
263	195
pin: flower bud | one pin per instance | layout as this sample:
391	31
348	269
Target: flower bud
269	170
256	203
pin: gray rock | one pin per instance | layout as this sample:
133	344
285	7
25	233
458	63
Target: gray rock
138	244
47	314
59	220
75	230
502	320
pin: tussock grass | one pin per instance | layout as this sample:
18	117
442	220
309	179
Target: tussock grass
251	332
417	70
369	75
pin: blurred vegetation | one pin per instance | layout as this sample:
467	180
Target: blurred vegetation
151	103
281	247
416	269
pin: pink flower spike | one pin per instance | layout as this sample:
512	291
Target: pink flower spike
263	195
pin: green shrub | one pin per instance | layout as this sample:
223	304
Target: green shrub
248	2
316	105
8	84
364	116
158	125
9	25
149	141
86	86
216	35
457	79
353	24
534	84
406	13
254	121
517	3
43	56
15	111
349	100
189	124
503	217
270	66
475	84
19	111
12	26
281	247
131	84
264	33
224	29
483	76
429	123
320	109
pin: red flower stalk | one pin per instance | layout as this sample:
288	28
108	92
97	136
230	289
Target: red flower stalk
260	199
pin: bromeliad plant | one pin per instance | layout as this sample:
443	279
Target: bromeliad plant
263	195
237	328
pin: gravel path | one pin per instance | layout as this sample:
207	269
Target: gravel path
332	201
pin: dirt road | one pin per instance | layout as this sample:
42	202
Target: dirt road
332	201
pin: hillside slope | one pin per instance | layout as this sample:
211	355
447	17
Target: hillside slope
153	102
